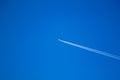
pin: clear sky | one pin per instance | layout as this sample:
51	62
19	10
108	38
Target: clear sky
29	33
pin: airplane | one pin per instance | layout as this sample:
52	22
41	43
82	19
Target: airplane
91	49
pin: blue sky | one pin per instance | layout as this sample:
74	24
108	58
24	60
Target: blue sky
30	30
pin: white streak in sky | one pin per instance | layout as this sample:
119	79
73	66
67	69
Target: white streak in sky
91	50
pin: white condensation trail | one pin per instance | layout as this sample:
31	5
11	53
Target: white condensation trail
91	50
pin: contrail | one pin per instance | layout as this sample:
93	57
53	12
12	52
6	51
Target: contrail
91	50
